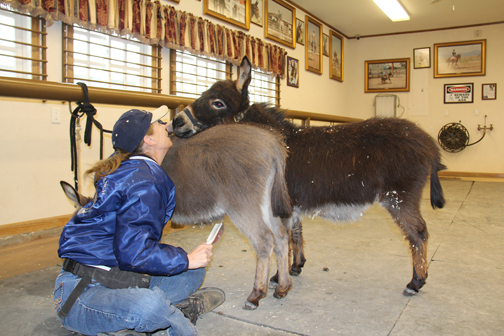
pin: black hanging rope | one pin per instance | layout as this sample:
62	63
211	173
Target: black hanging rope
83	108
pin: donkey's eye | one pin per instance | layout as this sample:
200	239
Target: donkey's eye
217	104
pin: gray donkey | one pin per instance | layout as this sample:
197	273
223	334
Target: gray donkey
337	172
234	170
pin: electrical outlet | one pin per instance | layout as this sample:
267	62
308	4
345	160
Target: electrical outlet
55	115
477	33
476	112
446	112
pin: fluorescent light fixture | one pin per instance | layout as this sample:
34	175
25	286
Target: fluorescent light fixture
393	9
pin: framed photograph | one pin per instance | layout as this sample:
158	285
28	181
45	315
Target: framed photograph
300	32
325	45
280	22
392	75
292	72
256	11
458	93
421	58
236	12
489	91
460	59
336	56
313	50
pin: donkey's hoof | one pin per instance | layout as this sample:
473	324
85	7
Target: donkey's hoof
295	272
409	292
249	306
272	284
279	295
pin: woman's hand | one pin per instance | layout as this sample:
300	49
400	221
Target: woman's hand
200	256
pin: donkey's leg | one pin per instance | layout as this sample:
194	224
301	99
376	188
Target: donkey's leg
263	245
281	249
295	247
407	216
297	243
252	225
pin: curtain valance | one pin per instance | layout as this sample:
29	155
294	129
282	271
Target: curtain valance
154	23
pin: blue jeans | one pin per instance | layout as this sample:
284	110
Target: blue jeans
101	309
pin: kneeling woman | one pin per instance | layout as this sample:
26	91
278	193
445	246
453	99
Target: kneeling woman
116	275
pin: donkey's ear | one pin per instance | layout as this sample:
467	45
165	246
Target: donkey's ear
77	199
244	76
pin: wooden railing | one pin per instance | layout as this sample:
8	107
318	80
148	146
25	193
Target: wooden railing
45	90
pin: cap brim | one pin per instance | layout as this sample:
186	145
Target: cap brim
159	113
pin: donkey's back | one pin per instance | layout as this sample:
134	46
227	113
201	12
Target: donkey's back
226	170
368	161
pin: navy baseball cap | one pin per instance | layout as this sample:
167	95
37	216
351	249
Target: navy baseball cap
132	126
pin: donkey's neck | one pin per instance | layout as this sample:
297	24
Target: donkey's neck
269	115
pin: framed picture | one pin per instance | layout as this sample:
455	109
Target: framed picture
292	72
460	59
421	58
300	32
392	75
280	22
458	93
489	91
325	45
256	11
335	56
236	12
313	50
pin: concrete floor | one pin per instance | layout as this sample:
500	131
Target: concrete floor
351	285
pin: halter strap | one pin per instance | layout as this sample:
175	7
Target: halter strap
195	122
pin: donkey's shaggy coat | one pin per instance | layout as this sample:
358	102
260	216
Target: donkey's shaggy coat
337	172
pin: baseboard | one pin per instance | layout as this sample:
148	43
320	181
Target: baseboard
445	173
21	232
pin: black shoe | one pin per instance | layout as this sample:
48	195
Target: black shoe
200	302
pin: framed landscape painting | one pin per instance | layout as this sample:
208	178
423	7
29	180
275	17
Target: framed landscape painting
391	75
460	59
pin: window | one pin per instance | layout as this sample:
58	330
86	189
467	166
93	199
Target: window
191	75
109	61
264	88
22	46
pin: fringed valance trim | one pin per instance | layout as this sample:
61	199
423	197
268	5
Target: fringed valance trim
156	24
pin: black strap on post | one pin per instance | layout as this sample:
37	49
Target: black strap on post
84	108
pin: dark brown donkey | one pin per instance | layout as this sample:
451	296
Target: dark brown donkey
235	170
337	172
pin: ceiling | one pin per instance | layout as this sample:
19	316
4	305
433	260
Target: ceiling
364	18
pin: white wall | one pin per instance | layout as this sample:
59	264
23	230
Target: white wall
36	153
484	157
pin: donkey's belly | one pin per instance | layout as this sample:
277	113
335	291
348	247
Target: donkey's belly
198	216
336	212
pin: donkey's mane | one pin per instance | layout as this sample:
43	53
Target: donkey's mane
272	116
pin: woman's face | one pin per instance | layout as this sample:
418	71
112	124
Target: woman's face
160	135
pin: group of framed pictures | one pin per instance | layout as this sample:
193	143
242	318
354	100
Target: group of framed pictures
455	59
282	26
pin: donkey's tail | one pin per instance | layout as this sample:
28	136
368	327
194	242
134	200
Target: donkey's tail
280	201
436	191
